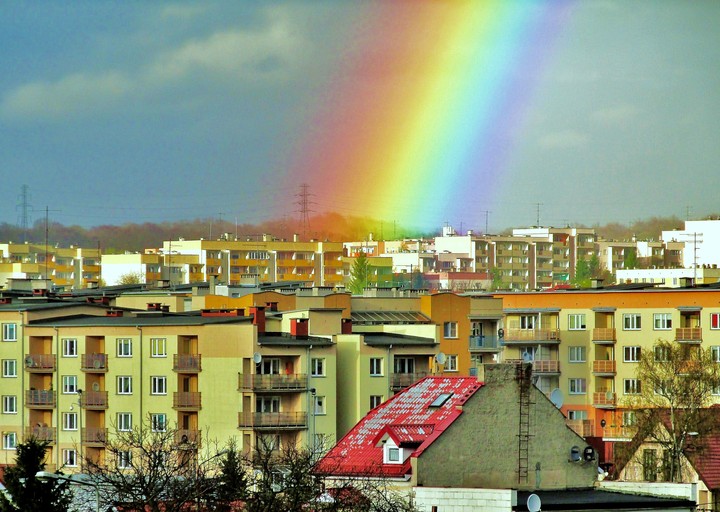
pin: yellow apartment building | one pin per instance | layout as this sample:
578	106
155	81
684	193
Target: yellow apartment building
65	267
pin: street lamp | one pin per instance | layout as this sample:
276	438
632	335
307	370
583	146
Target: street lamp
46	475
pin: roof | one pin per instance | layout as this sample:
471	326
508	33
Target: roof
139	320
285	339
408	418
388	339
599	499
388	317
706	461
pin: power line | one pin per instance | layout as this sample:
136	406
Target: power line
304	203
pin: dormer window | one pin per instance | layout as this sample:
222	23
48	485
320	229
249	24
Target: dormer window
393	454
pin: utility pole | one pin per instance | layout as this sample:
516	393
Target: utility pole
47	232
695	256
537	213
304	203
24	206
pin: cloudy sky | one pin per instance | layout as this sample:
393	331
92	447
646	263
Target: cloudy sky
115	112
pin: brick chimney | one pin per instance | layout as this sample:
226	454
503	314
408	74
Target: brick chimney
299	327
258	314
346	327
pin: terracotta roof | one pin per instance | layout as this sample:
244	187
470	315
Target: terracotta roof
707	461
408	418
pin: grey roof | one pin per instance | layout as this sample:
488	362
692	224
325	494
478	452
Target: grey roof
139	320
287	340
599	499
389	317
385	340
530	310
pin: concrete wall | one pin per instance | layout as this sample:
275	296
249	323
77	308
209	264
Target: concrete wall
480	449
464	500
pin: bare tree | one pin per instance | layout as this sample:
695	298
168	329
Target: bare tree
671	407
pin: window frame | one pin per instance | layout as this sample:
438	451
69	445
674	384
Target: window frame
120	388
124	459
69	384
158	385
715	353
662	321
317	367
7	436
69	457
8	400
124	422
376	367
572	322
155	423
69	347
632	322
375	400
9	331
451	363
450	330
632	387
9	368
714	321
577	382
124	347
319	405
577	414
158	347
70	421
635	353
572	356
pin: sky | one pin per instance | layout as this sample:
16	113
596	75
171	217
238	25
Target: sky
478	114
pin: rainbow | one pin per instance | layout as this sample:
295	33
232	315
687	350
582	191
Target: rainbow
424	108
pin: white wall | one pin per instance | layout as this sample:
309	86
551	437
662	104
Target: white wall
464	500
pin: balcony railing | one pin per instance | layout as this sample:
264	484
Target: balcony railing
187	400
480	343
621	432
94	436
187	363
40	363
41	433
40	398
403	380
604	399
94	363
550	366
604	366
188	437
534	335
273	420
289	382
688	334
94	400
604	335
583	428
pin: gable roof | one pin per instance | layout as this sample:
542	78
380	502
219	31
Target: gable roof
408	419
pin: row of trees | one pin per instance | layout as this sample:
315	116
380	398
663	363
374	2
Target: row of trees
150	471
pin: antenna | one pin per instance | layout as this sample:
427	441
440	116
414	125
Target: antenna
257	357
537	213
304	203
534	503
557	398
440	358
24	207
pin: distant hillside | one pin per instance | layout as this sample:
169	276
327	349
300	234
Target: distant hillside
331	226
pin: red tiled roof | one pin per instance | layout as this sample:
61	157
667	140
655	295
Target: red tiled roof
408	418
707	461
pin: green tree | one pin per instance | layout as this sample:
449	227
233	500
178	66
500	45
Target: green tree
359	275
26	492
630	259
131	278
496	281
231	484
582	274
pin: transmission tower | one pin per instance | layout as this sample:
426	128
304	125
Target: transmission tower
304	203
24	208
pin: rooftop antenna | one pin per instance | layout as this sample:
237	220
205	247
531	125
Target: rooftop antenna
487	214
537	213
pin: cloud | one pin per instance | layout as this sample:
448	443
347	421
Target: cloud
565	139
245	56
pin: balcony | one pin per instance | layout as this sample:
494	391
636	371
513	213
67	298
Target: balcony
532	335
403	380
94	436
688	335
604	335
604	399
187	401
546	367
40	399
40	363
273	420
94	363
41	433
583	428
94	400
484	343
187	437
187	363
604	367
293	382
625	433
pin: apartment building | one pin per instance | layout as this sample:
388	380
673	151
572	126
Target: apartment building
65	267
152	267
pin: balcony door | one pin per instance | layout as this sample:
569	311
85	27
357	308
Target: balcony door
267	404
404	365
268	366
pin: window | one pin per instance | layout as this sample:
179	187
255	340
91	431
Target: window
662	386
376	365
70	421
527	322
9	368
451	363
158	347
450	329
649	465
375	400
69	347
9	404
124	459
320	405
663	353
69	384
70	458
662	321
631	386
124	421
631	321
404	365
631	354
318	367
267	404
714	320
577	354
394	454
576	322
9	332
629	419
715	351
124	385
158	385
577	415
124	347
268	366
158	421
577	386
9	440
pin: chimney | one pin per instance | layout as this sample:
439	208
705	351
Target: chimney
154	306
271	306
346	327
113	313
299	327
5	300
258	314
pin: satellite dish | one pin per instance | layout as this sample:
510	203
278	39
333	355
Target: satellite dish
609	395
257	357
440	358
575	455
556	397
527	357
28	361
533	503
96	386
184	438
97	364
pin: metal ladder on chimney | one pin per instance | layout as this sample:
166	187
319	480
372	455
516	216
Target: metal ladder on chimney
523	375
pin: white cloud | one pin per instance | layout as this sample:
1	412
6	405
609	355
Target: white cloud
563	140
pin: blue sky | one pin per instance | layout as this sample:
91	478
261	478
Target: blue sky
115	112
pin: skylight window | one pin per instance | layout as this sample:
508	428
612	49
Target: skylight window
441	399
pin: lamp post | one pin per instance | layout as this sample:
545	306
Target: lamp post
46	475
